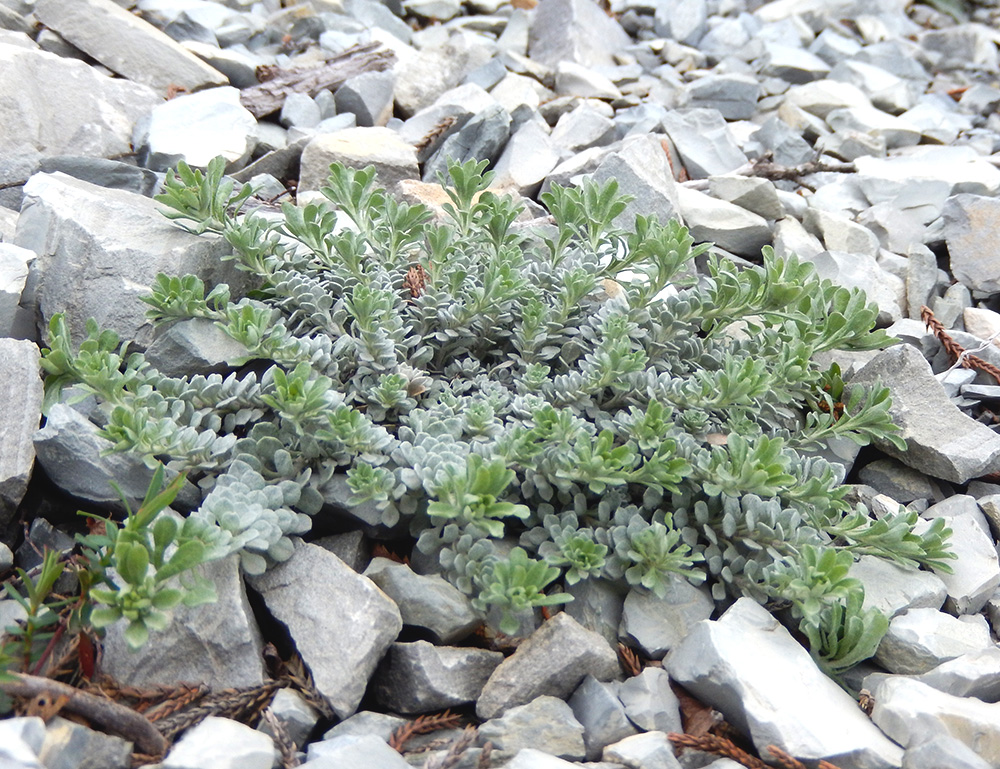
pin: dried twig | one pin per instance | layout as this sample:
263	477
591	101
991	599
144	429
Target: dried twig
720	746
962	358
786	761
286	746
114	718
244	705
426	724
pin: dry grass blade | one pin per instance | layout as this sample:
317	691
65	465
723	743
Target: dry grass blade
455	752
629	660
720	746
244	705
955	351
282	740
425	724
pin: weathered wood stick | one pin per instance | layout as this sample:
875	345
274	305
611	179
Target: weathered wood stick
270	95
108	714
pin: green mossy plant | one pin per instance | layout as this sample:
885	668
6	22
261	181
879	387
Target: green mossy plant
530	400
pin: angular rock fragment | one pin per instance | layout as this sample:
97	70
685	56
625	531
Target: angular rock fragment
221	743
922	639
597	707
20	413
394	160
551	661
641	169
547	722
574	30
894	589
940	440
750	668
340	622
421	678
95	245
126	44
704	142
724	224
217	644
656	624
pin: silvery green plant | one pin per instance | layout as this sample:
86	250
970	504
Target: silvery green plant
573	395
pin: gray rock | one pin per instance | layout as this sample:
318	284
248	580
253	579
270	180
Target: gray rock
922	639
822	97
394	159
296	716
704	142
57	106
685	21
597	707
751	669
300	110
641	169
426	601
546	721
955	505
419	677
28	730
832	46
902	483
236	63
650	703
69	745
597	605
581	128
221	743
526	160
970	234
369	96
651	750
895	131
941	441
960	167
352	547
657	624
552	661
887	91
340	622
6	563
422	77
20	413
960	47
195	346
529	758
787	146
841	234
353	752
942	751
364	722
196	128
126	44
792	64
217	644
94	244
104	173
911	713
73	456
973	674
921	279
733	95
482	138
937	119
790	237
894	589
728	226
574	30
756	195
975	574
576	80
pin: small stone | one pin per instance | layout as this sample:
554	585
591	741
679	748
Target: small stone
104	173
656	624
196	128
792	64
756	195
922	639
380	725
545	721
649	701
650	750
902	483
896	131
300	110
195	346
973	674
576	80
420	677
785	143
733	95
340	622
941	441
482	138
790	237
529	758
746	665
126	44
704	142
581	128
942	751
426	601
394	159
728	226
369	96
551	661
363	751
911	713
822	97
962	168
296	716
597	605
841	234
886	91
20	413
894	589
597	707
221	743
576	31
641	169
74	746
970	222
975	573
526	160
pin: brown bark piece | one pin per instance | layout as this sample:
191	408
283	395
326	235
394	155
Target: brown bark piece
269	96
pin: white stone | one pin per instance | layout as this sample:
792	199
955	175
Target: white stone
728	226
221	743
922	639
196	128
746	665
911	712
962	168
893	589
975	573
982	323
